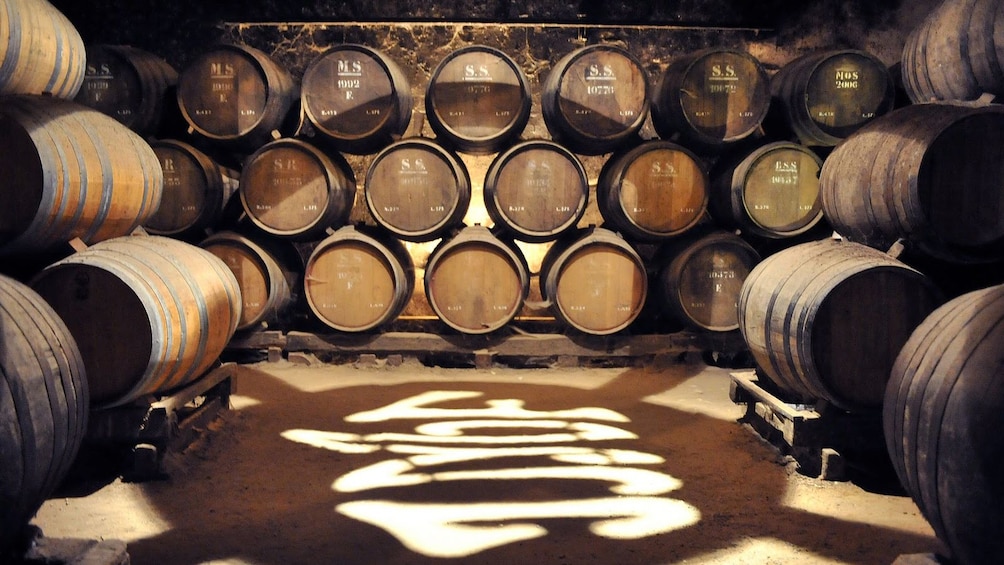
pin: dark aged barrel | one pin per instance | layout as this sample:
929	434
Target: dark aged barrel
772	192
129	84
417	189
358	279
927	173
266	269
71	171
356	97
476	283
699	279
536	190
653	191
826	319
43	403
149	313
595	99
824	97
236	96
40	50
196	189
711	97
594	281
477	100
942	419
290	188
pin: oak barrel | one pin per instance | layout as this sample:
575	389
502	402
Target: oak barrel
477	100
595	99
196	190
536	190
149	313
594	281
293	189
71	171
475	281
44	403
358	279
41	51
417	189
826	319
942	419
356	97
653	191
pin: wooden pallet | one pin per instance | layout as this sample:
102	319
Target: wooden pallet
41	550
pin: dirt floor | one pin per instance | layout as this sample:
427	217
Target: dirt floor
348	464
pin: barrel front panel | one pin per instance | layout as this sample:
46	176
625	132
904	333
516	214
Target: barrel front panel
600	288
253	278
709	281
28	183
845	91
663	192
112	86
223	94
723	95
475	287
186	188
286	188
351	285
780	193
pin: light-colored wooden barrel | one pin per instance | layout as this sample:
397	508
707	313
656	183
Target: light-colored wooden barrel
358	279
653	191
356	97
149	313
594	281
536	190
595	99
478	100
44	403
196	189
475	282
41	51
826	319
71	171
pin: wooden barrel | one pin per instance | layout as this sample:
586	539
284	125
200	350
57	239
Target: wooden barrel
595	99
824	97
771	192
653	191
942	417
476	282
196	189
236	96
267	271
41	51
43	403
477	100
536	190
417	189
826	319
358	279
926	173
290	188
594	281
356	97
699	279
149	313
131	85
711	97
71	171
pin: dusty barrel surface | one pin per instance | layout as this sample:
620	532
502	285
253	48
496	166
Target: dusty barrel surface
476	282
72	172
290	188
417	189
595	99
942	418
131	85
356	97
824	97
196	189
654	191
41	51
826	319
536	190
44	402
165	309
478	100
711	97
594	281
927	173
358	279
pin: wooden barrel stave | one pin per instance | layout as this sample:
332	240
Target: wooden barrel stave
42	51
